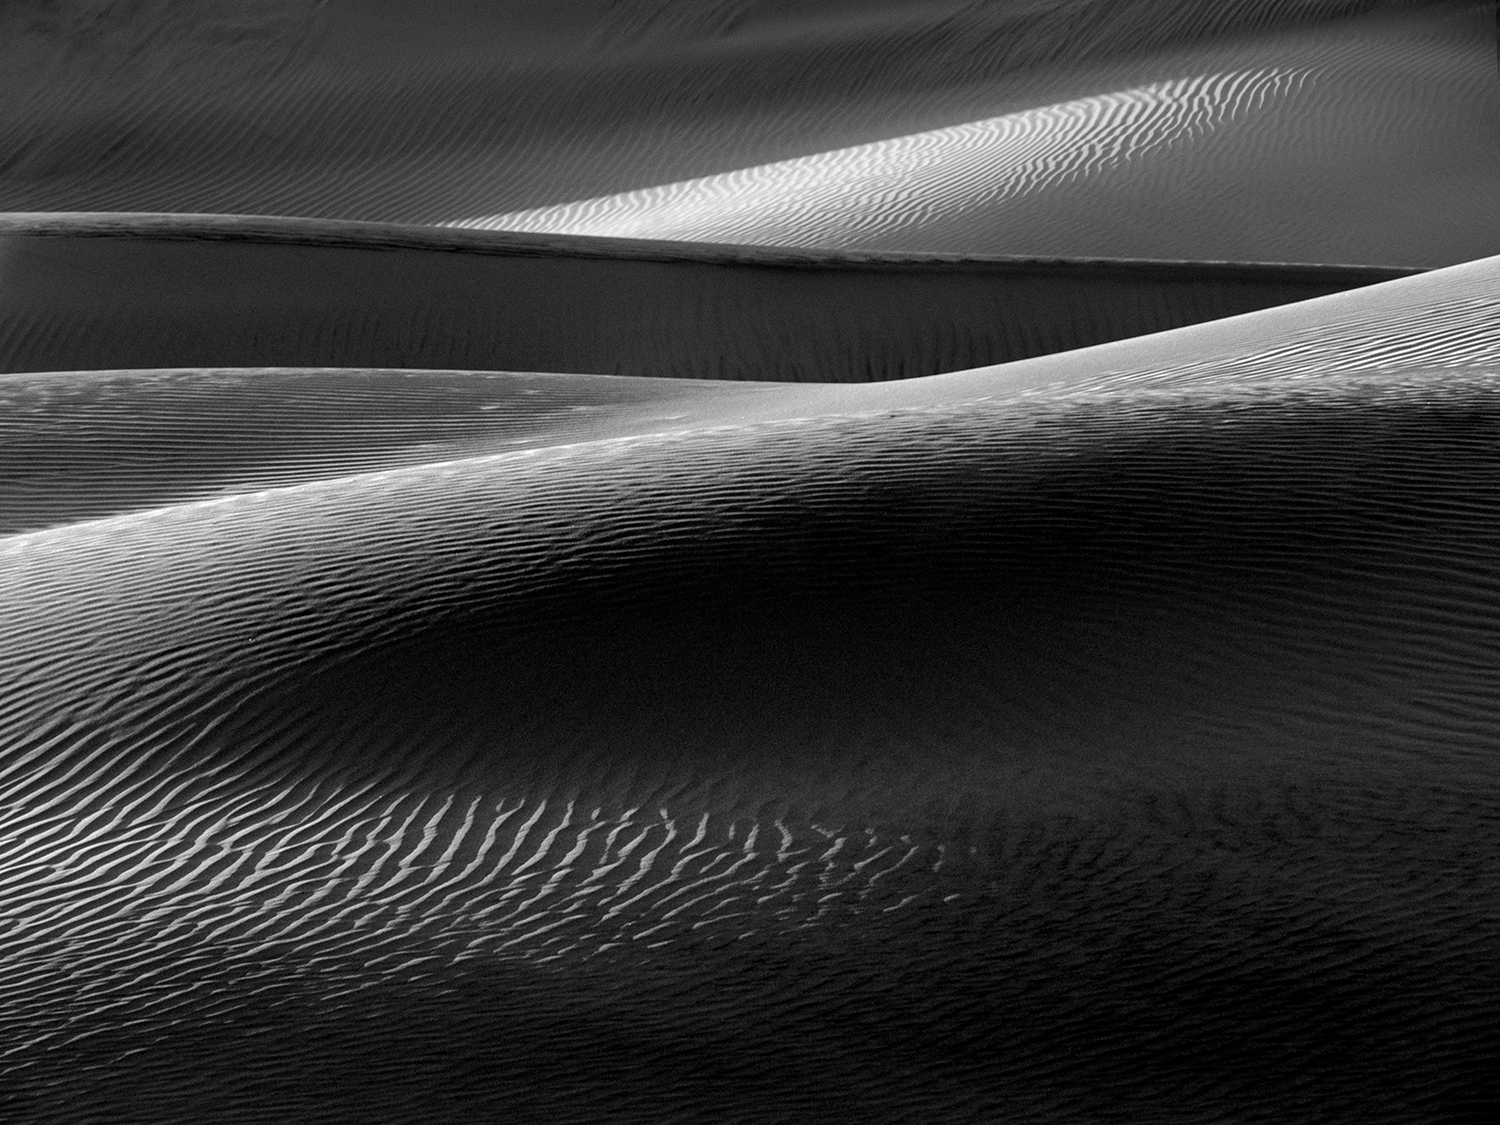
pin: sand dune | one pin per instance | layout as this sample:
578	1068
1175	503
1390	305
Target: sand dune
82	445
1334	131
749	561
108	292
851	197
1264	147
1108	732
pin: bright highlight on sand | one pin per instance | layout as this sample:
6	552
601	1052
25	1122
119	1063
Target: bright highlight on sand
840	198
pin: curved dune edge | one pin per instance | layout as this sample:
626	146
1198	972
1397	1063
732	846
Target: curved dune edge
1262	146
852	197
374	110
182	435
295	230
104	292
890	707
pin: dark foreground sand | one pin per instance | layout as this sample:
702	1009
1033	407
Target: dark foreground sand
80	292
1104	737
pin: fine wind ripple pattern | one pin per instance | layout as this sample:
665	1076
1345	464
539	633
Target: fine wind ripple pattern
342	885
844	197
1061	738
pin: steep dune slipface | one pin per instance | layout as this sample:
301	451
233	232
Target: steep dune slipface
1104	735
94	292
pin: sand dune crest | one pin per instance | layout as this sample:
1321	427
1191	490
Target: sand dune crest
1012	649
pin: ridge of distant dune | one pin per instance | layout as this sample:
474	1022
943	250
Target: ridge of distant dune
109	292
857	197
749	561
1259	147
1093	731
387	114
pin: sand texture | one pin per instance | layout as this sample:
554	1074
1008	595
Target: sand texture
1370	141
749	562
1321	131
1105	733
106	292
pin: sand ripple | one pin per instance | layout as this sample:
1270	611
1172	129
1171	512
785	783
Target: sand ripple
1267	143
1093	715
856	196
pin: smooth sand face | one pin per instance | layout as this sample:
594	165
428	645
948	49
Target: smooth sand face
1083	732
114	292
1162	129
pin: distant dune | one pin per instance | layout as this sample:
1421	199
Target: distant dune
118	291
1367	141
1105	733
1326	130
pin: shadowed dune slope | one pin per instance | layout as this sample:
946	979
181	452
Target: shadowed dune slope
81	445
1326	130
102	292
1108	736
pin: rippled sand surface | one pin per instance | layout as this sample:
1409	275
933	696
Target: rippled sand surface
1120	717
1268	130
1369	139
913	633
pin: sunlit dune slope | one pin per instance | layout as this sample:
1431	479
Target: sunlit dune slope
1372	140
1105	733
81	445
112	291
1324	130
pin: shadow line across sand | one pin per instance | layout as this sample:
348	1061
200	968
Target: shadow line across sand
100	292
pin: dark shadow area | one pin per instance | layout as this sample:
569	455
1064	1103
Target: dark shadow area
110	292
